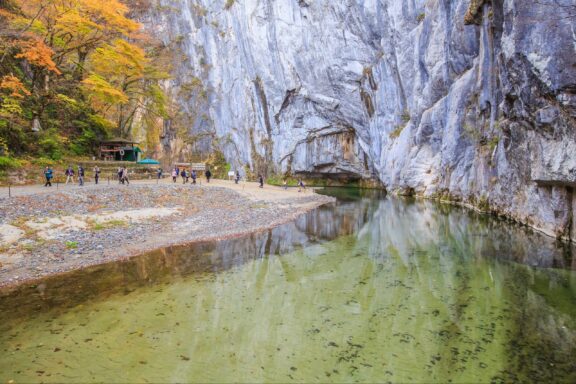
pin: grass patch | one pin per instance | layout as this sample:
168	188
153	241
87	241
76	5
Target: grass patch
278	180
95	226
229	4
71	244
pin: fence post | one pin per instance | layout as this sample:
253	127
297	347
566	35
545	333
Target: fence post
9	190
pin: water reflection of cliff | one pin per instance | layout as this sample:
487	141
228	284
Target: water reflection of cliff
411	225
386	224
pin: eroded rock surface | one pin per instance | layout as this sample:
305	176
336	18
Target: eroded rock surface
469	99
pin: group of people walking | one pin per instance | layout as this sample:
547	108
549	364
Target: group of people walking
70	174
187	175
123	178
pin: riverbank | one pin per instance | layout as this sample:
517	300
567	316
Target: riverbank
44	231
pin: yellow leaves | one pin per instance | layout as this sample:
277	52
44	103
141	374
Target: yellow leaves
77	25
13	86
39	54
102	91
15	90
120	59
110	13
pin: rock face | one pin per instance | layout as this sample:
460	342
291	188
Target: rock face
474	100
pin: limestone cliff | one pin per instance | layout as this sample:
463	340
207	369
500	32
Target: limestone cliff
474	100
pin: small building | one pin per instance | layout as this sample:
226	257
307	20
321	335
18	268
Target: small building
119	150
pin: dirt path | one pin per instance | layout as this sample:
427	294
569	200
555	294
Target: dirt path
44	231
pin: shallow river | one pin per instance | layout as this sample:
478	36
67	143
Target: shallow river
370	289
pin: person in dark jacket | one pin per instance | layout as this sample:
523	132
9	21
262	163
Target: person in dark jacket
208	175
261	180
96	174
237	179
80	175
194	176
301	185
48	174
69	174
183	174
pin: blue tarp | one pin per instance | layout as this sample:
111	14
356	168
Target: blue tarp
148	161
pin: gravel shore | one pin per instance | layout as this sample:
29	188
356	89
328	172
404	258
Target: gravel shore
48	233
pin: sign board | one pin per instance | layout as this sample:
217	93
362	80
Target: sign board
198	166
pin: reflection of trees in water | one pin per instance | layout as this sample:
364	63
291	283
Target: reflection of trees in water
385	227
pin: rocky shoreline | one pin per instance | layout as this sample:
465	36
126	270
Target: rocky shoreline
47	234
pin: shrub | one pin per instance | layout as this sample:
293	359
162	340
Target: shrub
51	145
9	163
397	131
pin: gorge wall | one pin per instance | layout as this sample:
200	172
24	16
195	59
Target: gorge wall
472	100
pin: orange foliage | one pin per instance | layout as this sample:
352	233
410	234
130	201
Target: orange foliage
5	14
13	85
39	54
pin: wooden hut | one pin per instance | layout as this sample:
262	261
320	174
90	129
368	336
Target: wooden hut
119	150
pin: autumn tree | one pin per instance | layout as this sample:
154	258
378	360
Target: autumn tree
124	82
82	64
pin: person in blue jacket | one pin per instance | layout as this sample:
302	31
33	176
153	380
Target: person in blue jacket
48	174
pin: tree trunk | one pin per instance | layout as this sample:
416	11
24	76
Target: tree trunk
79	70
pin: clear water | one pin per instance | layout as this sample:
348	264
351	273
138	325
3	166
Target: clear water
370	289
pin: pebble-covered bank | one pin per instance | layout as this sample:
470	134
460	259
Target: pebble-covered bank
45	234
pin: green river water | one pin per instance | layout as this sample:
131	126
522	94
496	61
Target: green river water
369	289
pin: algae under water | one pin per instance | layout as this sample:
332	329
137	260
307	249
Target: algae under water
369	289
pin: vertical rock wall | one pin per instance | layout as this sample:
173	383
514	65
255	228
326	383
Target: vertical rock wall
474	100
